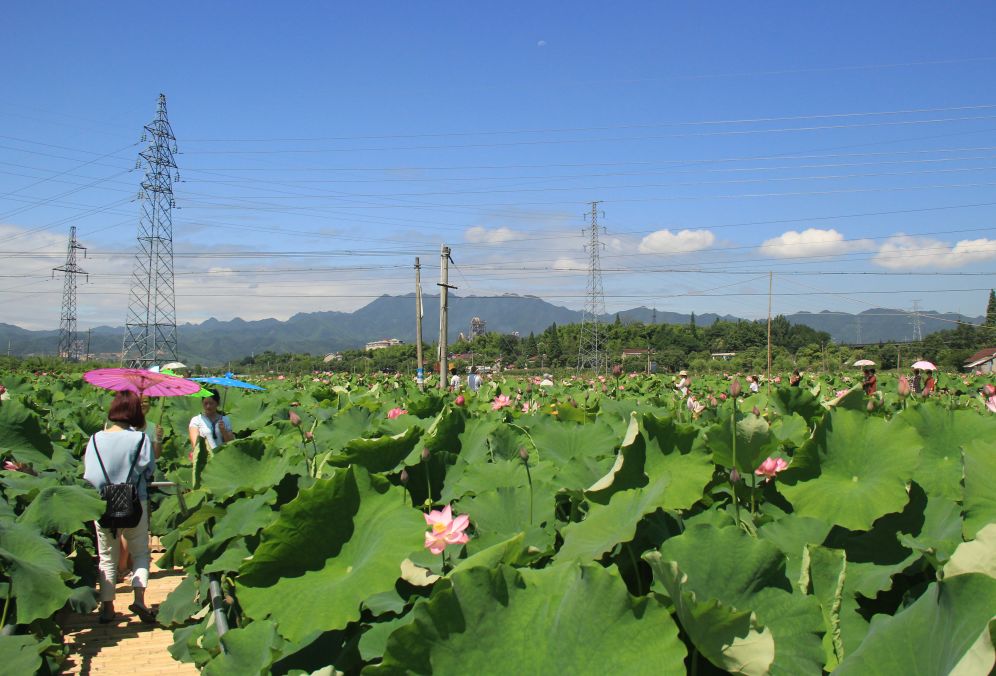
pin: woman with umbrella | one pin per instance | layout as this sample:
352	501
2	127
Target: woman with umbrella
122	454
211	425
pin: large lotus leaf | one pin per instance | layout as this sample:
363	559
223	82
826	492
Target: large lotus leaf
940	534
37	571
791	534
674	457
248	650
22	435
796	400
627	470
382	454
444	432
244	464
474	439
754	442
21	654
863	465
564	619
562	444
946	631
250	412
729	638
337	543
181	604
63	509
605	526
726	568
503	512
791	430
977	556
943	432
245	517
336	432
826	571
980	489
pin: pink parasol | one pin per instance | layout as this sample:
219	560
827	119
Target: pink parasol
144	382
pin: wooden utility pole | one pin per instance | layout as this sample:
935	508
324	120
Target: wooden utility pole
420	373
770	281
444	287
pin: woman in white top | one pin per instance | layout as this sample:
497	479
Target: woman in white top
211	425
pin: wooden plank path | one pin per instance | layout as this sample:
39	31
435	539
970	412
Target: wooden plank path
126	646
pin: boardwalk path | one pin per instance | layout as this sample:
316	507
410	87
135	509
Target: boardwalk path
126	647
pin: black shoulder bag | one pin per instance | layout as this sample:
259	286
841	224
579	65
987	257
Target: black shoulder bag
124	509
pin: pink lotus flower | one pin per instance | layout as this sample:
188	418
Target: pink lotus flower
459	401
722	395
530	407
444	530
778	380
989	390
991	404
281	377
840	393
770	467
500	402
396	413
734	475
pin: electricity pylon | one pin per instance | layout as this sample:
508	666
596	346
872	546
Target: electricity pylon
591	343
70	345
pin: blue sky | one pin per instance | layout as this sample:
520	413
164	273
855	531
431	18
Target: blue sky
322	148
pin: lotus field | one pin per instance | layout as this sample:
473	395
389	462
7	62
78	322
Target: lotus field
593	527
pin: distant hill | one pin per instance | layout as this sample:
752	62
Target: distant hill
215	341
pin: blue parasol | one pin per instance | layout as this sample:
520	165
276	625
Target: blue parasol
228	381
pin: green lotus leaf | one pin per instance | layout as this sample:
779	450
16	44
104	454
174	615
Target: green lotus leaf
754	442
181	604
21	654
791	534
563	444
605	526
946	631
63	509
243	464
335	544
37	571
674	456
826	571
248	650
502	513
336	432
863	465
980	490
791	430
977	556
250	412
943	432
787	401
563	619
382	454
727	575
22	434
245	517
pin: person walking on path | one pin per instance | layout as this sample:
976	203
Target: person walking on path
122	454
473	380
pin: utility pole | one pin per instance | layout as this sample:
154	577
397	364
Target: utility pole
70	347
88	331
589	346
917	323
444	287
857	318
420	373
771	277
150	326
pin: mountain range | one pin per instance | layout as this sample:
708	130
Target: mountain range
215	341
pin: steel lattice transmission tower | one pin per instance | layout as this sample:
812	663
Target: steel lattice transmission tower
150	328
70	345
917	323
590	346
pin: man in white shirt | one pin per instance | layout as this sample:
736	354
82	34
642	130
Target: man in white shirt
455	382
473	380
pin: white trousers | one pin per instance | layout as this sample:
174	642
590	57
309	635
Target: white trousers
109	552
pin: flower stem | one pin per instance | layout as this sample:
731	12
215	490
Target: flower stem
636	568
529	478
733	444
6	605
428	486
753	494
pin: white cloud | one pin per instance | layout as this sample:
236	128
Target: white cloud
905	252
683	241
570	264
481	235
810	242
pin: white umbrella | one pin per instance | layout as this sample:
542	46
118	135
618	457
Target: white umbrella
174	365
924	366
864	362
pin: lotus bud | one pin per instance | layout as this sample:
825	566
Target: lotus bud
871	405
756	411
573	402
904	386
617	370
425	454
295	419
734	475
722	396
404	476
309	436
989	390
523	453
459	401
736	388
712	401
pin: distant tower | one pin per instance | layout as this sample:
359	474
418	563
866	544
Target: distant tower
150	328
478	327
70	345
590	347
917	323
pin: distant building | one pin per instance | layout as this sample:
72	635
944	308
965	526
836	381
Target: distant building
635	352
478	327
723	356
381	344
983	360
332	356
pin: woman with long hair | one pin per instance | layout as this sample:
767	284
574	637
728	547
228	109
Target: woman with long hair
211	425
122	454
